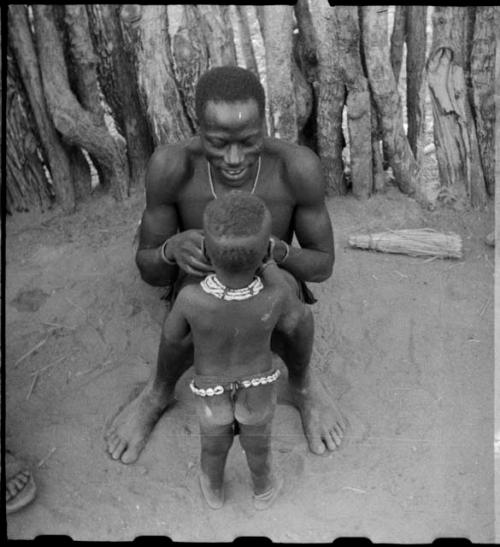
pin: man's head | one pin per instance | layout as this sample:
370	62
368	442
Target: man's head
228	84
237	229
230	105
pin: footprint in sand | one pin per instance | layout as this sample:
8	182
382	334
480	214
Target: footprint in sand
29	300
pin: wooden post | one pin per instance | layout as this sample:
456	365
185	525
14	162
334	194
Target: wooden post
74	122
483	88
158	92
277	32
27	60
457	150
388	101
118	84
330	92
347	47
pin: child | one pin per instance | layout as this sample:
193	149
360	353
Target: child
231	315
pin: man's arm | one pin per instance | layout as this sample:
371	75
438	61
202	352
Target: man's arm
161	249
313	260
176	327
297	324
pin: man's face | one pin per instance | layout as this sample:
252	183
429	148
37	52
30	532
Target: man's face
232	137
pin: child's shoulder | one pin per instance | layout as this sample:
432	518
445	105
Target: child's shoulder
189	295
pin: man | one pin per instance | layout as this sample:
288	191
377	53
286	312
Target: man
231	152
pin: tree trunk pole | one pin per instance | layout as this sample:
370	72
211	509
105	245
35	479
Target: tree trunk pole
119	86
347	46
387	100
218	33
398	38
159	96
27	61
190	56
330	93
246	39
277	32
416	39
457	150
75	123
483	88
26	182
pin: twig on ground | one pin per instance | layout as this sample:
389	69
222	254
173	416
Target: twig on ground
44	460
77	306
28	353
485	307
49	366
57	325
354	489
32	387
401	274
89	370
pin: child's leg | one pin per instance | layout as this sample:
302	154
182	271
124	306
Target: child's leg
215	444
216	429
256	442
254	411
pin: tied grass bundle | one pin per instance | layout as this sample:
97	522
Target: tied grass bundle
417	242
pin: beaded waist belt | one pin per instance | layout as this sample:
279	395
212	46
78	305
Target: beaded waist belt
233	386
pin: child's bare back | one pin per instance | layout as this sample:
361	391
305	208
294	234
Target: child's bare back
232	338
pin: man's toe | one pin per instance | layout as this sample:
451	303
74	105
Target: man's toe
130	455
317	446
339	431
112	443
119	449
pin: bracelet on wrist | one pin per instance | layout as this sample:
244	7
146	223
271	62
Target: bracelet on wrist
164	256
287	252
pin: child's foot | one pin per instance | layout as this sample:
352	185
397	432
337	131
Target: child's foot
214	497
266	499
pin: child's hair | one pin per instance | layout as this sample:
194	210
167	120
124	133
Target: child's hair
228	84
237	214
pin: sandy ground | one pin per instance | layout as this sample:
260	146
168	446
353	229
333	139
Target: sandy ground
405	344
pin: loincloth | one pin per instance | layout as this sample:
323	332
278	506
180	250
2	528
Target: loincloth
225	400
209	386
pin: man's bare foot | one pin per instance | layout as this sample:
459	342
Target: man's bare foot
324	425
213	496
129	430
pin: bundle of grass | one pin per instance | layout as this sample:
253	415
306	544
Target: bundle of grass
418	242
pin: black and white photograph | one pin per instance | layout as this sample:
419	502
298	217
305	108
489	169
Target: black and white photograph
249	272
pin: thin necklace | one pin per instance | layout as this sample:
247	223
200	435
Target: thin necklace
212	183
213	286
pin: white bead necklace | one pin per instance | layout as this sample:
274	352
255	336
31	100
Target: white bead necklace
212	183
213	286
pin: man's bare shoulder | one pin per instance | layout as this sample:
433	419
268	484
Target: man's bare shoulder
169	167
301	168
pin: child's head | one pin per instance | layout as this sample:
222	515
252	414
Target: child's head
237	229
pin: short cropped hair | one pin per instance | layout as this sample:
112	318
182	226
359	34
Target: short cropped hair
237	214
228	84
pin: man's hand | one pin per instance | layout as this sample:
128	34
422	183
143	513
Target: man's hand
186	249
